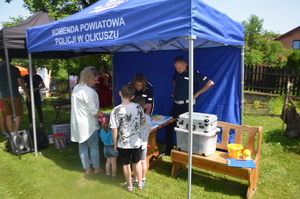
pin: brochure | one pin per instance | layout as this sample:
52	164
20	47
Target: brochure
240	163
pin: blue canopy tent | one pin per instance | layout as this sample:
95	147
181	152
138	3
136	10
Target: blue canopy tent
146	36
134	30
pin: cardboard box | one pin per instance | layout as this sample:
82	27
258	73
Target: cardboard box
62	128
201	121
204	143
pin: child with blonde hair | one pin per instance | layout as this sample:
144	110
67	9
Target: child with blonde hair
109	152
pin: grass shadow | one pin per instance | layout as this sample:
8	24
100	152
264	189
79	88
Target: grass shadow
209	181
290	144
215	182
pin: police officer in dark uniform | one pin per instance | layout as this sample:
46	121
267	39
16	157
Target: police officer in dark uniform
144	89
180	95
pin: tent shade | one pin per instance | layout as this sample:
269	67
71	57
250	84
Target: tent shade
14	37
131	26
126	27
134	25
14	40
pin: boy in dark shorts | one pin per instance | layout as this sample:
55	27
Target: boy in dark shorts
125	121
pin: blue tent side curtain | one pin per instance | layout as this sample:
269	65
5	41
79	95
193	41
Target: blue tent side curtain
219	64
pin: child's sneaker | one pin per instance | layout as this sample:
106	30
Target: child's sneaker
144	181
4	134
134	182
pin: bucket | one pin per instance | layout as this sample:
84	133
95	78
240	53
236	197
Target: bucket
234	150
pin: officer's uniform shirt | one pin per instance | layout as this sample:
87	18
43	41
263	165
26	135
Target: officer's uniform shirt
182	84
147	95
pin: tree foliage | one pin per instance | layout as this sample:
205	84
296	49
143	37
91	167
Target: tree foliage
58	9
294	59
260	47
13	21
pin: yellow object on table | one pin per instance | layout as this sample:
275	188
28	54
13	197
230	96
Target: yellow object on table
247	154
234	150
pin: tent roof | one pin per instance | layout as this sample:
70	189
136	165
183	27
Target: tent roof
134	25
14	39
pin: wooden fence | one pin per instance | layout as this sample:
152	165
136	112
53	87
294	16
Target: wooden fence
272	80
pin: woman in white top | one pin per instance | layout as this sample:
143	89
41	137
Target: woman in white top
84	119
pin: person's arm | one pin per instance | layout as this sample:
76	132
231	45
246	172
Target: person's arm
99	114
42	85
114	133
174	84
204	88
148	108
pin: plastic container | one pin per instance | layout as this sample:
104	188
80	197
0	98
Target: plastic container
204	143
234	150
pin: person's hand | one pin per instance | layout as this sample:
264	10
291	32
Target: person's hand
116	148
28	99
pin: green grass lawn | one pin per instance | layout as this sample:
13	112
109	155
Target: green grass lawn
57	173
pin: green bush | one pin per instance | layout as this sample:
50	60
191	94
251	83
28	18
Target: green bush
275	105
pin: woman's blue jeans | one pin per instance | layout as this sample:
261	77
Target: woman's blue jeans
90	149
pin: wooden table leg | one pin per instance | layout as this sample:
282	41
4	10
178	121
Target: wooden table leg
57	110
152	150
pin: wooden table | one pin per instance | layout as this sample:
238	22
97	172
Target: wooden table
152	157
58	105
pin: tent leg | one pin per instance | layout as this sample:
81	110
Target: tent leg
15	129
32	105
242	85
191	39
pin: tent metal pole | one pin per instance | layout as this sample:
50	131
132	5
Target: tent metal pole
112	84
10	91
242	84
191	110
32	105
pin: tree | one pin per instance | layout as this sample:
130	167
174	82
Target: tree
14	21
260	47
57	9
294	59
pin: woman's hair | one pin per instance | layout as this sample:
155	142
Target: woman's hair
105	122
140	78
87	74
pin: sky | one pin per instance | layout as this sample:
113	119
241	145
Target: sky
279	16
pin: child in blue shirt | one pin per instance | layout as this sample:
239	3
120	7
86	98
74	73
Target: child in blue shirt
109	152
